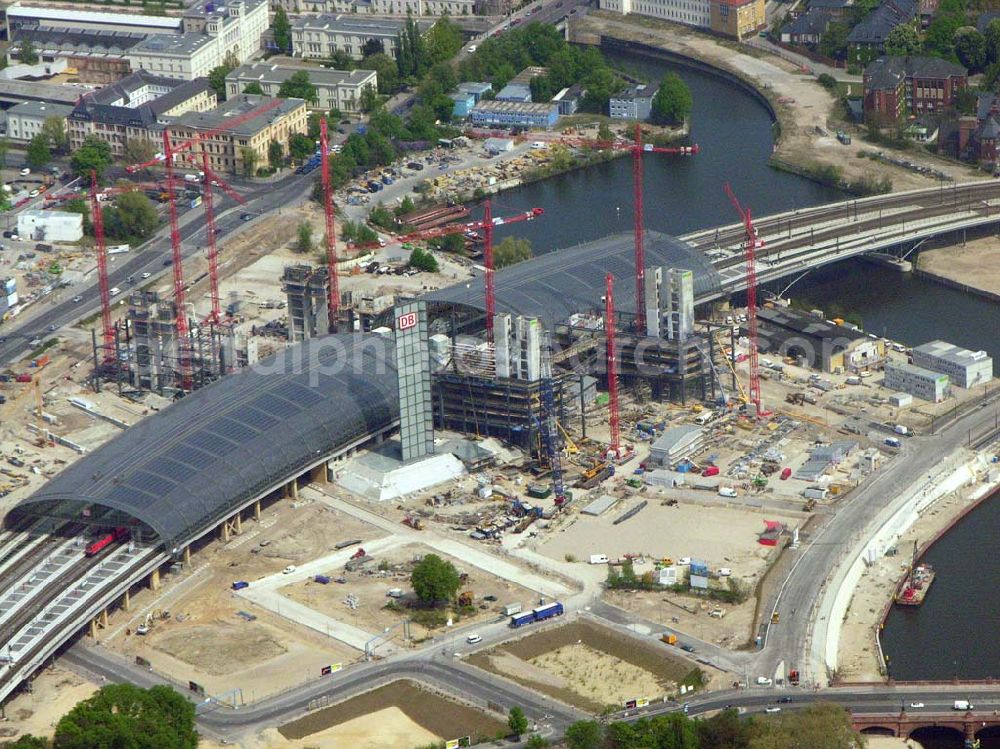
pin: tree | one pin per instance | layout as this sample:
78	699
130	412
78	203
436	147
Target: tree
253	88
133	217
275	154
510	251
369	99
903	40
819	726
372	47
298	87
38	153
217	75
443	41
604	133
584	734
125	715
385	70
434	580
453	243
536	742
249	158
970	48
94	154
139	150
4	149
81	206
517	721
54	129
672	103
301	146
29	56
939	39
834	42
993	41
282	30
423	260
405	206
27	741
304	238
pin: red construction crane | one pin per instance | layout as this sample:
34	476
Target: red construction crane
333	296
750	245
228	124
213	251
107	330
491	296
612	365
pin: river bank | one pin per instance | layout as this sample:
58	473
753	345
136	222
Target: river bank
803	110
915	527
971	267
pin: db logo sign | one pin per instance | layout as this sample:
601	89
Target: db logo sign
407	321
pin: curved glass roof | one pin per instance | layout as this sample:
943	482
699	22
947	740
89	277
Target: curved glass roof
192	464
558	284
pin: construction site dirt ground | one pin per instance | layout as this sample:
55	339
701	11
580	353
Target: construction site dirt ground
589	666
433	713
801	103
54	691
973	264
204	638
857	658
370	585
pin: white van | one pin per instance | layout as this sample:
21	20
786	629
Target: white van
538	145
598	558
727	491
115	291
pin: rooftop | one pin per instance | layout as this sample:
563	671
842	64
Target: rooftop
41	109
641	91
127	102
675	437
234	107
951	353
813	21
88	16
563	282
807	324
271	73
915	370
40	91
186	468
86	41
181	45
875	27
351	24
523	107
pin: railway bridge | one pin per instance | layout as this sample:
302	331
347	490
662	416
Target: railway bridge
970	725
796	242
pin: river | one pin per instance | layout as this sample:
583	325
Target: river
683	194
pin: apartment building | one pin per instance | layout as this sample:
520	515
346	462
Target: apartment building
225	147
212	32
340	89
319	37
136	107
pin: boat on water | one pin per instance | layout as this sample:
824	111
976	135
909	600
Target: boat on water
916	585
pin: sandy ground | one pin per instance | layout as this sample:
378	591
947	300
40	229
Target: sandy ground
204	638
690	615
389	728
54	692
858	656
722	536
974	264
806	105
598	676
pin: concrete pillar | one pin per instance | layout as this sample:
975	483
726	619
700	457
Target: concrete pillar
320	473
104	618
238	524
256	510
187	555
126	601
224	532
154	579
294	486
93	629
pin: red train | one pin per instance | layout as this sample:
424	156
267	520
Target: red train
104	541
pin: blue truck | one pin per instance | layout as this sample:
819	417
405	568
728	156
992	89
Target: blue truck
539	614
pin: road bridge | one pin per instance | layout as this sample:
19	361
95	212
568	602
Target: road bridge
798	241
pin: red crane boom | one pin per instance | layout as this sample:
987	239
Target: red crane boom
751	243
230	123
107	331
440	231
491	298
333	296
612	365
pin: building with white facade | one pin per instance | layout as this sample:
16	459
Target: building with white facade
518	347
212	32
381	7
965	368
340	89
320	37
25	120
634	103
917	381
689	12
50	226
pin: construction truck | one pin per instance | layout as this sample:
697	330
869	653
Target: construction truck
595	475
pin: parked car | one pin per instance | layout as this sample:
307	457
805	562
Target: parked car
25	172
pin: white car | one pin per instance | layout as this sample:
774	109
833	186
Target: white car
916	704
34	193
772	709
77	299
288	570
146	275
473	639
25	172
684	561
472	48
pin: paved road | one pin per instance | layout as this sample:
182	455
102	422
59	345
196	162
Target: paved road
260	199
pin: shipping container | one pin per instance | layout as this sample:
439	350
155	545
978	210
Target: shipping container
511	608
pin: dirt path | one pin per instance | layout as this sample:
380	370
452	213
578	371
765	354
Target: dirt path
974	264
802	105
